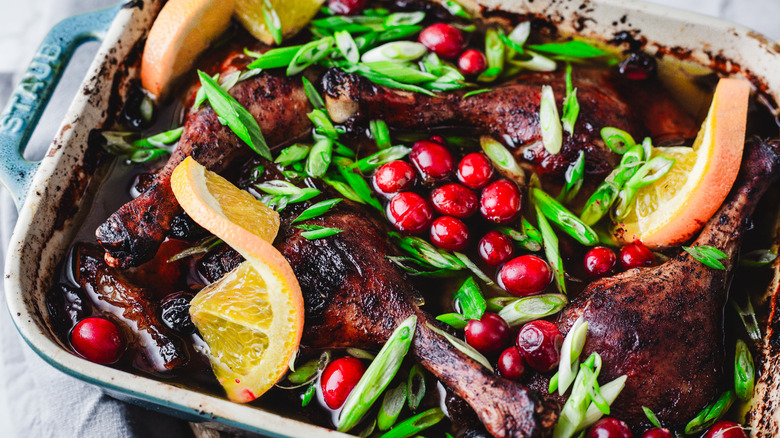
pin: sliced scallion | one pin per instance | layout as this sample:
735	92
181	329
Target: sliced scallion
502	159
520	33
404	18
392	404
317	209
292	154
319	158
308	396
551	250
494	53
422	250
569	49
758	258
469	301
744	372
381	133
475	92
455	9
464	259
396	51
748	317
314	96
523	240
378	375
537	62
570	354
371	162
710	414
360	353
415	385
344	189
413	426
275	58
359	186
571	107
456	320
566	220
550	121
308	54
518	311
462	347
708	255
616	139
272	22
314	232
574	177
651	416
347	46
322	124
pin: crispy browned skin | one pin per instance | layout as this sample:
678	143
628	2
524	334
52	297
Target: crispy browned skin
663	326
133	234
510	113
355	297
155	349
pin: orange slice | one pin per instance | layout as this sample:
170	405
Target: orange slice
182	30
672	209
252	318
294	15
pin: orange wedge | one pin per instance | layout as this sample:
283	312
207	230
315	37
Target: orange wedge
182	30
672	209
293	15
252	318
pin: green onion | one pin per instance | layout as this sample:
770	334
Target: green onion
571	107
550	122
398	32
536	63
322	124
401	72
748	317
376	12
473	268
317	209
397	51
308	396
502	159
565	219
520	33
456	320
424	251
494	52
413	426
319	158
347	46
308	372
518	311
647	174
416	267
292	154
744	372
360	354
617	139
343	151
314	232
609	392
652	417
161	139
511	45
758	258
463	347
455	9
272	21
314	96
381	79
522	239
344	189
570	354
495	304
605	195
203	246
475	92
574	177
275	58
415	385
236	117
708	255
532	233
384	156
360	187
367	431
284	188
404	18
569	49
392	404
380	133
308	54
710	414
378	375
469	301
551	250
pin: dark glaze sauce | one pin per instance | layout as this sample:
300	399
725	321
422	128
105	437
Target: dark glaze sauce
162	282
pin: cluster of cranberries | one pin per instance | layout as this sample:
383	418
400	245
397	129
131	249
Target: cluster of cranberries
613	428
600	260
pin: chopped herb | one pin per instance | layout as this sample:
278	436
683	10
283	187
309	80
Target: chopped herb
566	220
494	53
396	51
404	18
502	159
236	117
551	250
308	54
571	107
708	255
314	232
292	154
272	22
201	248
475	92
416	267
570	355
360	354
520	33
288	190
525	241
423	251
618	140
518	311
473	268
469	301
360	187
343	189
308	396
317	209
748	317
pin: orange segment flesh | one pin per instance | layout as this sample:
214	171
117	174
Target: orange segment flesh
252	318
671	210
182	30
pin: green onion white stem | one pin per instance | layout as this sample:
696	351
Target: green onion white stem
537	62
551	251
617	139
308	54
494	53
463	347
520	33
570	354
574	177
378	375
396	51
518	311
502	159
347	46
550	121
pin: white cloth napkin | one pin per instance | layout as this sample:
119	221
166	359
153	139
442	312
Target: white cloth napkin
35	399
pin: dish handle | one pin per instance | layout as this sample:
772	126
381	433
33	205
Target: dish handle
30	97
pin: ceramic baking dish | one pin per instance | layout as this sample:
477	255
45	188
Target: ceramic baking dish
52	196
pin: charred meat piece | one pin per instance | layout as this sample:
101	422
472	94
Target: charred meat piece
510	112
132	235
156	350
663	326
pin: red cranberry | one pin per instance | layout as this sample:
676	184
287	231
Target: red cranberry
98	340
432	160
475	170
635	255
339	378
449	233
600	261
725	429
495	248
511	364
438	139
442	39
454	200
347	7
500	201
394	177
609	428
540	344
525	275
472	62
409	212
658	432
638	66
488	335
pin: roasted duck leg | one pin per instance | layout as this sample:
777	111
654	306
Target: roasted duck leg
133	234
355	297
663	326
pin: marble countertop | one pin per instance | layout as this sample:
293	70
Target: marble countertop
33	400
